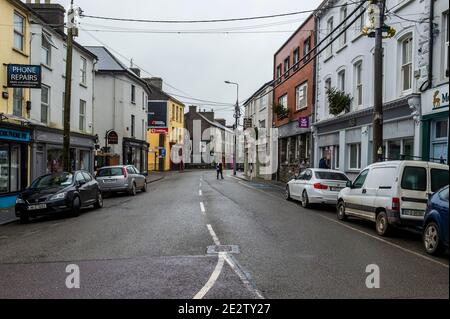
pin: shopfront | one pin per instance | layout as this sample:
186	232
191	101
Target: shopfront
135	152
47	152
435	124
14	143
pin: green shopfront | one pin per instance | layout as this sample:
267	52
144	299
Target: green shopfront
14	149
435	124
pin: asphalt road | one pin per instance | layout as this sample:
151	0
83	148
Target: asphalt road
192	236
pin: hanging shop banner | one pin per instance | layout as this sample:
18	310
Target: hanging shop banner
113	138
303	122
157	115
24	76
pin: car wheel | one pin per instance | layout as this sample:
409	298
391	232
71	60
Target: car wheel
144	188
305	200
76	206
24	219
341	211
133	190
431	239
382	224
287	193
99	202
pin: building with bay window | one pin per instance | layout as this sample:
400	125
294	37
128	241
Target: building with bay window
345	139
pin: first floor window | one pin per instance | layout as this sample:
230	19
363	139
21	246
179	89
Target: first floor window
354	156
325	102
45	104
133	125
19	32
301	93
83	70
358	84
17	101
283	100
406	68
82	124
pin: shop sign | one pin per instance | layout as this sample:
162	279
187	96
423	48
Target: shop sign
159	130
247	123
20	136
440	99
162	152
157	114
113	138
303	122
23	76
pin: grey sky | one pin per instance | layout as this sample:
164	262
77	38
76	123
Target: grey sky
197	64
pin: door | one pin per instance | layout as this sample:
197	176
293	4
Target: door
354	195
295	185
139	178
132	176
40	166
91	185
83	188
306	182
413	192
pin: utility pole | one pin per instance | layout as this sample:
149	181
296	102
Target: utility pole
377	125
237	115
68	87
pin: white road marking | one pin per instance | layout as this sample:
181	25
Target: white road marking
202	208
242	276
385	241
212	280
213	235
30	233
200	192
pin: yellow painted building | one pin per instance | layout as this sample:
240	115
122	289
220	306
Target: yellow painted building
162	145
15	136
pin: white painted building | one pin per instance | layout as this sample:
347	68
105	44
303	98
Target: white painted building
48	49
346	140
258	109
120	105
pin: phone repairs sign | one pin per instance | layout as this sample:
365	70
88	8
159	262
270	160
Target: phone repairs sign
24	76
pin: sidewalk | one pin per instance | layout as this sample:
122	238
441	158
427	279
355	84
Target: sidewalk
7	215
155	176
277	184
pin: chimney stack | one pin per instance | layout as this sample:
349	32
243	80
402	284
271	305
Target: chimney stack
136	71
156	82
51	13
192	109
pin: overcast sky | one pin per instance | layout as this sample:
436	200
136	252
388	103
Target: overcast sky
197	64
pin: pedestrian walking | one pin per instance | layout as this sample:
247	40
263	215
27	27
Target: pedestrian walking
219	169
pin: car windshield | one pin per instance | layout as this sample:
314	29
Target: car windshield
49	181
112	171
331	176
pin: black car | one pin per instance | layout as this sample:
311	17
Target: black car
58	192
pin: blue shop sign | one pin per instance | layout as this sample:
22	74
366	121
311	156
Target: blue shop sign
24	76
13	135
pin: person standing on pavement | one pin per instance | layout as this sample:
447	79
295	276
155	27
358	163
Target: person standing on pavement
323	163
219	169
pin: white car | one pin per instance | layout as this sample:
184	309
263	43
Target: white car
316	186
392	193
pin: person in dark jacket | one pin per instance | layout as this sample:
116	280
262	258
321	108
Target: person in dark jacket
219	169
323	163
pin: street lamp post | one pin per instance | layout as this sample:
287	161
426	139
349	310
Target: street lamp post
237	115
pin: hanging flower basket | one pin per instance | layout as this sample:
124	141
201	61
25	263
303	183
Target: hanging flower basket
338	101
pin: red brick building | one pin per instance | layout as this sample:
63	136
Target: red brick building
294	89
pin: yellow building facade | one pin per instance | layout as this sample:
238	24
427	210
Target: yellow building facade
162	145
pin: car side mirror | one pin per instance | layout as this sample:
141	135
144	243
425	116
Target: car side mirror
81	183
349	184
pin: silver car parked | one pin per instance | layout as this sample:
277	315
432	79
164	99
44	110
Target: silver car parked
122	178
316	186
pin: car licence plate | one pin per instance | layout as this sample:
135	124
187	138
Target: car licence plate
335	189
37	207
109	181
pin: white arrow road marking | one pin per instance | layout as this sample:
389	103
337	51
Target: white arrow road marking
212	280
202	208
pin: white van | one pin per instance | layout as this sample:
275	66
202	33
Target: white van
392	193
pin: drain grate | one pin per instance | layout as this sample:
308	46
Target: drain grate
231	249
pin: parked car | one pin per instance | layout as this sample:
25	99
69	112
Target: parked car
122	178
316	186
435	224
60	192
392	193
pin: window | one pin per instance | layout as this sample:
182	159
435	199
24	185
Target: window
301	93
326	88
133	123
296	58
82	123
440	129
329	49
414	178
335	158
143	130
306	49
343	37
263	102
17	101
10	167
406	65
173	112
358	84
341	80
286	68
19	32
399	149
331	176
46	49
133	94
45	104
86	176
279	73
283	100
354	156
359	24
80	178
445	46
444	194
262	124
360	180
439	179
83	65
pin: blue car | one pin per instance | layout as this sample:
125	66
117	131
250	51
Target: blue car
435	230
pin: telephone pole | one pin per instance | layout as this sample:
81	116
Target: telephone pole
377	125
237	115
68	88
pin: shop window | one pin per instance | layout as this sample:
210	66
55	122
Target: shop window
85	160
54	160
354	156
394	149
283	151
441	129
10	168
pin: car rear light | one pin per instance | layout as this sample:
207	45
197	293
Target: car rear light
124	172
396	204
320	186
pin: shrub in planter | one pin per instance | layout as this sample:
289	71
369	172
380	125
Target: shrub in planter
281	111
338	101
